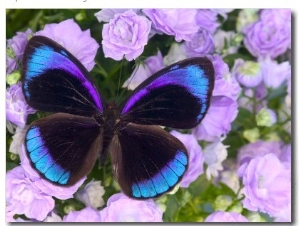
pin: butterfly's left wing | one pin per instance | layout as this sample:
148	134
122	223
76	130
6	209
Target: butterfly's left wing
147	160
63	147
177	96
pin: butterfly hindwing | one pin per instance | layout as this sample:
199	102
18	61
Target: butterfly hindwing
147	160
177	96
62	147
55	81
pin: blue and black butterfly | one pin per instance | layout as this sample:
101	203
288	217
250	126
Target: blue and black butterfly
147	160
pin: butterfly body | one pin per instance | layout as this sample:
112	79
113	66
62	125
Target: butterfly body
147	161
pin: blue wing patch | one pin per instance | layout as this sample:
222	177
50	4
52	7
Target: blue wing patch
166	178
41	158
177	96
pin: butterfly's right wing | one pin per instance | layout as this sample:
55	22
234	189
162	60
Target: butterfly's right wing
177	96
63	148
147	160
55	81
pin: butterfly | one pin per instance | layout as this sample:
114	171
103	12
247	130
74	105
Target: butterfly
147	161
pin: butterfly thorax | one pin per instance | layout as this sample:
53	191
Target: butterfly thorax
111	124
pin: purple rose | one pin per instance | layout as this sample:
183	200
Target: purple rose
267	185
196	158
125	35
248	73
217	121
221	216
134	211
202	43
143	71
180	23
225	83
16	47
87	214
256	149
275	74
105	15
23	195
80	43
17	109
207	19
270	36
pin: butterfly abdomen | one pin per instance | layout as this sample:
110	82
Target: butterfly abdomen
110	125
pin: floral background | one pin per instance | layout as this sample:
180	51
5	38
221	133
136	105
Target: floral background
240	155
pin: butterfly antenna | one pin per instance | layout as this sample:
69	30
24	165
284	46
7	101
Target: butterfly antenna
119	82
135	68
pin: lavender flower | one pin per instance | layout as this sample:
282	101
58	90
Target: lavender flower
18	140
229	175
155	63
202	43
87	214
125	35
288	98
221	216
180	23
196	157
143	71
140	74
53	217
226	42
23	196
275	74
105	15
225	83
270	36
257	149
17	109
222	12
217	121
248	73
246	101
80	43
215	154
207	19
174	55
245	18
286	155
135	211
91	194
15	50
267	185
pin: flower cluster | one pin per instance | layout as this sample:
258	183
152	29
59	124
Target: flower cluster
240	157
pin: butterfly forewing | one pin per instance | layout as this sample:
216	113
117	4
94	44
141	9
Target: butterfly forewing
177	96
55	81
63	148
147	160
